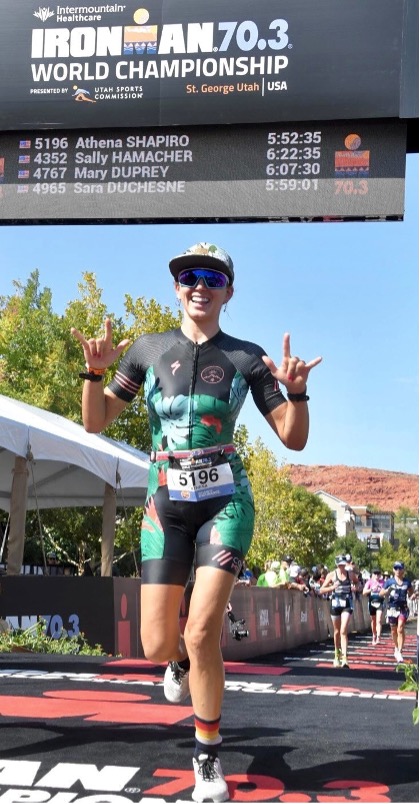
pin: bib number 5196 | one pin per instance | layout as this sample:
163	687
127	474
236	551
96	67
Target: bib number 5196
193	485
196	478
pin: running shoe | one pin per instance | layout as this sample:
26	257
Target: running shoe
176	683
344	662
336	662
398	655
210	784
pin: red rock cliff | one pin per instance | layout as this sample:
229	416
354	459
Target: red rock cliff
360	486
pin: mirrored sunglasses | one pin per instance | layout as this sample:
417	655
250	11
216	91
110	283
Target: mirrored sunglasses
214	280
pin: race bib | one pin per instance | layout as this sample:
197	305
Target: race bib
200	478
375	603
339	602
394	612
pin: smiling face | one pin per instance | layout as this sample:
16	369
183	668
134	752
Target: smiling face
202	304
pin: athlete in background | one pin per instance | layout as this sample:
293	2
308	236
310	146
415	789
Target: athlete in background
199	502
398	589
340	584
373	588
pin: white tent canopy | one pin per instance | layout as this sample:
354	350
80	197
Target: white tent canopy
70	466
66	467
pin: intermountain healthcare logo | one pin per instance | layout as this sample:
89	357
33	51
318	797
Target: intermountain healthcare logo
43	14
78	13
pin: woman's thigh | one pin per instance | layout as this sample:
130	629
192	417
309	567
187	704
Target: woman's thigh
345	619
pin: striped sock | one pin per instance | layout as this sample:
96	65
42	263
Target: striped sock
207	736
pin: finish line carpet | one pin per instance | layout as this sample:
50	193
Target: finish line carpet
98	730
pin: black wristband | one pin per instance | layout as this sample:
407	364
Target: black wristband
87	375
303	397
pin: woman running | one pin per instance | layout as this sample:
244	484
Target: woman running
199	504
340	585
373	588
398	589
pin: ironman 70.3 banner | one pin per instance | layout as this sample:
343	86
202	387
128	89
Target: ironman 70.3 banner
170	62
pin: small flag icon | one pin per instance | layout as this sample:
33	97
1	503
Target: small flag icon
24	144
24	159
23	174
23	188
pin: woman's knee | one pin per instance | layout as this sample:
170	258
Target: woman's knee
201	636
158	647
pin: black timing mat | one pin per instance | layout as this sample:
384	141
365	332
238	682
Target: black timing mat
98	730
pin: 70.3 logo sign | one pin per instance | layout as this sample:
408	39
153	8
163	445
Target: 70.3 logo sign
258	788
199	37
247	35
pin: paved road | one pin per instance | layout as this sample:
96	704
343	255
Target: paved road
294	729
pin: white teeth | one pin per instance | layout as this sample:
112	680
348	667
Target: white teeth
199	299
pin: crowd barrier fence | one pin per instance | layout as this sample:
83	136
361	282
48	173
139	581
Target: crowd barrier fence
107	612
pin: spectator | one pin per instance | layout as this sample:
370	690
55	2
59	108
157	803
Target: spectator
319	573
304	580
295	581
271	576
284	572
372	588
246	576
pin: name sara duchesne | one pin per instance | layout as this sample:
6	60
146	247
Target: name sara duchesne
123	187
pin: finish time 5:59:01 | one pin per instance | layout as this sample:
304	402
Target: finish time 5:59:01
291	184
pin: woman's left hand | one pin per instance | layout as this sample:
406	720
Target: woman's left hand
293	371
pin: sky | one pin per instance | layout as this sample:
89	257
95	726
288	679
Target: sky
345	291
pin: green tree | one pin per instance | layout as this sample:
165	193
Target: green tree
40	363
289	519
350	544
32	355
406	534
244	448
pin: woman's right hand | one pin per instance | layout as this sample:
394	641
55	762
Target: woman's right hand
99	353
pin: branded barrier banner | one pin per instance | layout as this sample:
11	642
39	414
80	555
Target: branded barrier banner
107	612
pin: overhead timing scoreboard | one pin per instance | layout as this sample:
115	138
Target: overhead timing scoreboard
305	171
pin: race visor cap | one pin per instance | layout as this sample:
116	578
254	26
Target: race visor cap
203	255
398	565
341	560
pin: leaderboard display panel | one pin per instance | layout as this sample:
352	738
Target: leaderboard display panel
302	171
178	110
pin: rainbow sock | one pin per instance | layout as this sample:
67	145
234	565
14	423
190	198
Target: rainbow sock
207	736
